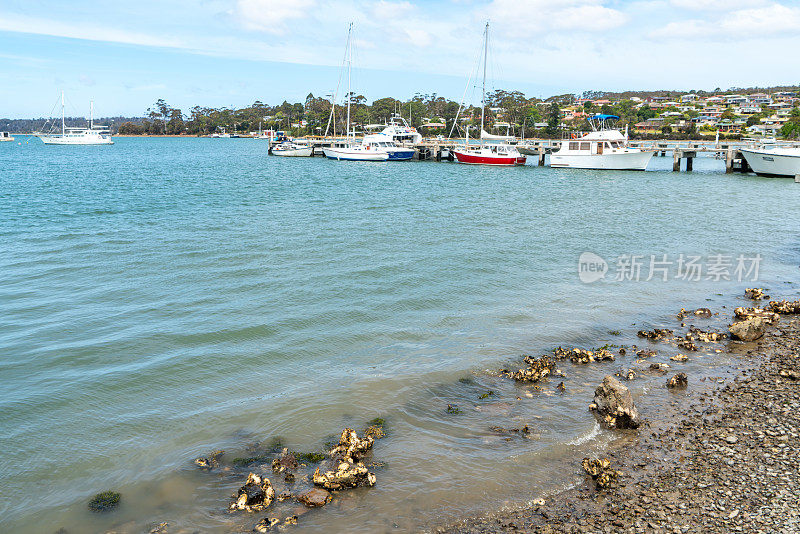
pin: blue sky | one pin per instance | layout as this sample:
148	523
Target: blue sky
125	54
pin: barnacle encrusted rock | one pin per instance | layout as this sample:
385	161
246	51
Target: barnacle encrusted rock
755	293
680	380
704	336
347	474
614	404
656	334
346	471
538	369
209	462
350	446
748	329
785	306
741	313
256	494
600	471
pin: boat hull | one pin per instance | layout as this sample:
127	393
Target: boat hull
76	141
400	155
304	152
354	155
625	161
766	163
499	161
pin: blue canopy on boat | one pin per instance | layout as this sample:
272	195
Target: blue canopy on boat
602	117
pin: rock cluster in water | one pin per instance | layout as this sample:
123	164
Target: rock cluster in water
755	293
256	494
785	306
538	369
680	381
583	356
347	471
613	403
209	462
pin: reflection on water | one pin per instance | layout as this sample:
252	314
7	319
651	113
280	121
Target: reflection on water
190	295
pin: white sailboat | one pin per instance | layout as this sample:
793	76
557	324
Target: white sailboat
498	154
93	135
352	150
602	148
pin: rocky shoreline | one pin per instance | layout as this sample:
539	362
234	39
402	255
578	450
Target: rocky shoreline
725	461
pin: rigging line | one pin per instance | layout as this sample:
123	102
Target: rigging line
339	82
464	96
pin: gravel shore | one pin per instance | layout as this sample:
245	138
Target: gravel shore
727	461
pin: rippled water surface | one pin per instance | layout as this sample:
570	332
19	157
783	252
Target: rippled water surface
162	298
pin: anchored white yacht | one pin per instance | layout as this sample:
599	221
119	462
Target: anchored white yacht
93	135
773	161
5	136
602	148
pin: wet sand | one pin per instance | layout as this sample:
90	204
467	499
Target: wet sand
724	461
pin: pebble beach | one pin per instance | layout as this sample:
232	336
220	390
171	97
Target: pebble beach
724	461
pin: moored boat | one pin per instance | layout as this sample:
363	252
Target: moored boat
354	152
93	135
497	154
602	148
384	143
773	161
292	149
351	150
5	136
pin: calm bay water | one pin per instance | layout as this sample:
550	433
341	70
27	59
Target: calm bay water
162	298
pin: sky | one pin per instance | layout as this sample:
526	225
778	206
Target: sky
127	54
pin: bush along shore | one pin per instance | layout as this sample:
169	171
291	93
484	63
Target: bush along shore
725	460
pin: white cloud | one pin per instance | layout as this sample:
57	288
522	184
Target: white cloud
774	20
22	24
271	15
719	5
523	17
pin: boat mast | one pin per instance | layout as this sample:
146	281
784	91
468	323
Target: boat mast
91	114
62	114
349	67
483	86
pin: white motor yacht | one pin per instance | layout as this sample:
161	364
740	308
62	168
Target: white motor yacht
5	136
384	143
400	131
773	161
602	148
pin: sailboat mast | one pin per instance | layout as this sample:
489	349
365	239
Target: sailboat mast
349	67
62	113
483	86
91	114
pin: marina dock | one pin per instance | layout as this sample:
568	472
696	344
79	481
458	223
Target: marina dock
441	150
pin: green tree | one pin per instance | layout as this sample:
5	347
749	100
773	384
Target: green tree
553	118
